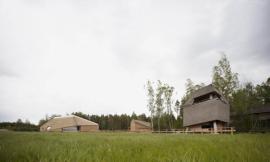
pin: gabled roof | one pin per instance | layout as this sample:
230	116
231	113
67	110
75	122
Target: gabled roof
143	123
67	121
203	91
260	109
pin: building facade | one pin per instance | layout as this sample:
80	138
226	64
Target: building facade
206	109
260	118
140	126
69	124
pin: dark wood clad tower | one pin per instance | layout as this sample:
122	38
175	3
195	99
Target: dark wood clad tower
206	109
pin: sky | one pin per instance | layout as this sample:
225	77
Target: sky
59	57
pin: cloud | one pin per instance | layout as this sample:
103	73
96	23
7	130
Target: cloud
96	57
6	72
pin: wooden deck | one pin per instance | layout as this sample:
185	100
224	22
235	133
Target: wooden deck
225	130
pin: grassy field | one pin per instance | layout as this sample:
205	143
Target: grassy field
107	147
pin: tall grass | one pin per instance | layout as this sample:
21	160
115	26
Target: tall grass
47	147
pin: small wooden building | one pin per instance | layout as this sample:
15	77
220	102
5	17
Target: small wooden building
260	118
69	124
140	126
205	110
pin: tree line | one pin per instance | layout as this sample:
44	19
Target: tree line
162	106
165	108
122	121
19	125
113	121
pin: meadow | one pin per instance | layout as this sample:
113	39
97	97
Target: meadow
107	147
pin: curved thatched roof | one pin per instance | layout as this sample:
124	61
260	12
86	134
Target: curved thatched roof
67	121
143	123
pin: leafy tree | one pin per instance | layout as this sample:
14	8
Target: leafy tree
113	122
151	101
82	115
19	121
190	88
143	117
19	126
27	121
134	116
263	92
223	78
179	114
168	92
242	100
159	98
41	122
177	108
159	101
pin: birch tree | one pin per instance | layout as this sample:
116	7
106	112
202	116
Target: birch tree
168	92
151	101
177	108
159	101
190	88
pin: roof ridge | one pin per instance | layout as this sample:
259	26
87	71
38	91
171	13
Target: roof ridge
87	120
144	123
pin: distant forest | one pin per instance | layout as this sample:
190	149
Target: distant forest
19	126
106	122
166	109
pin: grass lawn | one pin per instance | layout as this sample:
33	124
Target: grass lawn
107	147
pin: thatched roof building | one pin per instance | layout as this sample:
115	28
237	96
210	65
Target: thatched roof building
264	109
140	126
206	108
260	117
69	124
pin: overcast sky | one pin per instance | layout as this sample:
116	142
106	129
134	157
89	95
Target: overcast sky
58	57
